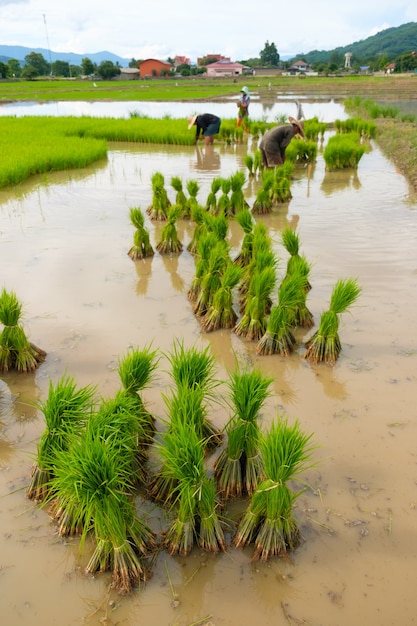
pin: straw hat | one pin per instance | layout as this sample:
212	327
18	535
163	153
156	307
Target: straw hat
297	123
191	121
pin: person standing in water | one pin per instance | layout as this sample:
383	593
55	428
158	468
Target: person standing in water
275	141
243	108
207	125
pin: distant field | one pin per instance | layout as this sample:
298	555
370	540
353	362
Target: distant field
401	87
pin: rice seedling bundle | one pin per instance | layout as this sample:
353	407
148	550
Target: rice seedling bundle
205	244
16	351
278	337
211	281
192	367
324	345
239	468
291	242
142	247
269	522
170	243
303	316
92	486
221	313
253	323
263	200
223	204
193	188
198	214
313	129
281	188
342	151
237	198
211	202
245	219
158	208
217	224
248	161
65	410
180	197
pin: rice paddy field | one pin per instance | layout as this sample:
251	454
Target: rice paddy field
65	239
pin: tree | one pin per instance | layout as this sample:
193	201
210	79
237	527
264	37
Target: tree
61	68
269	55
14	68
4	70
36	60
87	66
29	72
107	70
134	63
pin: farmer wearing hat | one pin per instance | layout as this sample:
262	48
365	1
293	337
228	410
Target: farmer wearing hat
207	124
275	141
243	107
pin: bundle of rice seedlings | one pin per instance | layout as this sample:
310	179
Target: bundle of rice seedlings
278	337
192	367
142	247
291	242
211	281
65	410
211	202
170	244
16	351
92	485
198	214
160	204
205	244
248	161
221	313
269	522
237	198
303	316
193	188
217	224
262	256
281	188
195	503
263	200
223	204
180	197
253	323
239	467
325	344
245	219
135	370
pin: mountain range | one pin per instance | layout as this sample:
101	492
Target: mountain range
390	42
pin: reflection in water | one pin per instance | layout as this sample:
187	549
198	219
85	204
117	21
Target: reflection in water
340	180
143	269
331	386
171	262
207	158
20	395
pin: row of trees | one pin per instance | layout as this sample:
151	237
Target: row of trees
36	65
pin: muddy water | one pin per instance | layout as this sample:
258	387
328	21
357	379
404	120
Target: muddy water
64	241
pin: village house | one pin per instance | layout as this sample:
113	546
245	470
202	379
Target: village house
299	66
209	57
128	73
224	68
153	67
181	60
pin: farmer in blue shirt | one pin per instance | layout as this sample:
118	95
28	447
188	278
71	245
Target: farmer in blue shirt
206	124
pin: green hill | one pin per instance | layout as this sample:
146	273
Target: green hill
389	43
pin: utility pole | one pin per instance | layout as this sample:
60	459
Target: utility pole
47	41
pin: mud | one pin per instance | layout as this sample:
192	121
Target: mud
64	242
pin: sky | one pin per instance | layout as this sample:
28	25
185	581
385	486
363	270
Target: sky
160	29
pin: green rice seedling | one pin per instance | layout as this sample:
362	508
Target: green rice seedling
239	467
253	323
221	313
211	202
205	244
278	337
324	345
198	214
180	197
303	316
92	485
192	367
16	351
170	243
249	161
223	204
211	281
262	256
281	187
136	369
217	224
314	130
237	198
142	247
301	151
291	242
263	200
343	151
193	188
195	504
158	209
257	161
269	522
245	220
65	410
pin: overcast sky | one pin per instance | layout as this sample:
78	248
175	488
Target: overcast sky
161	28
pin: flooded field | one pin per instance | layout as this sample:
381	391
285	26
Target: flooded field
64	240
